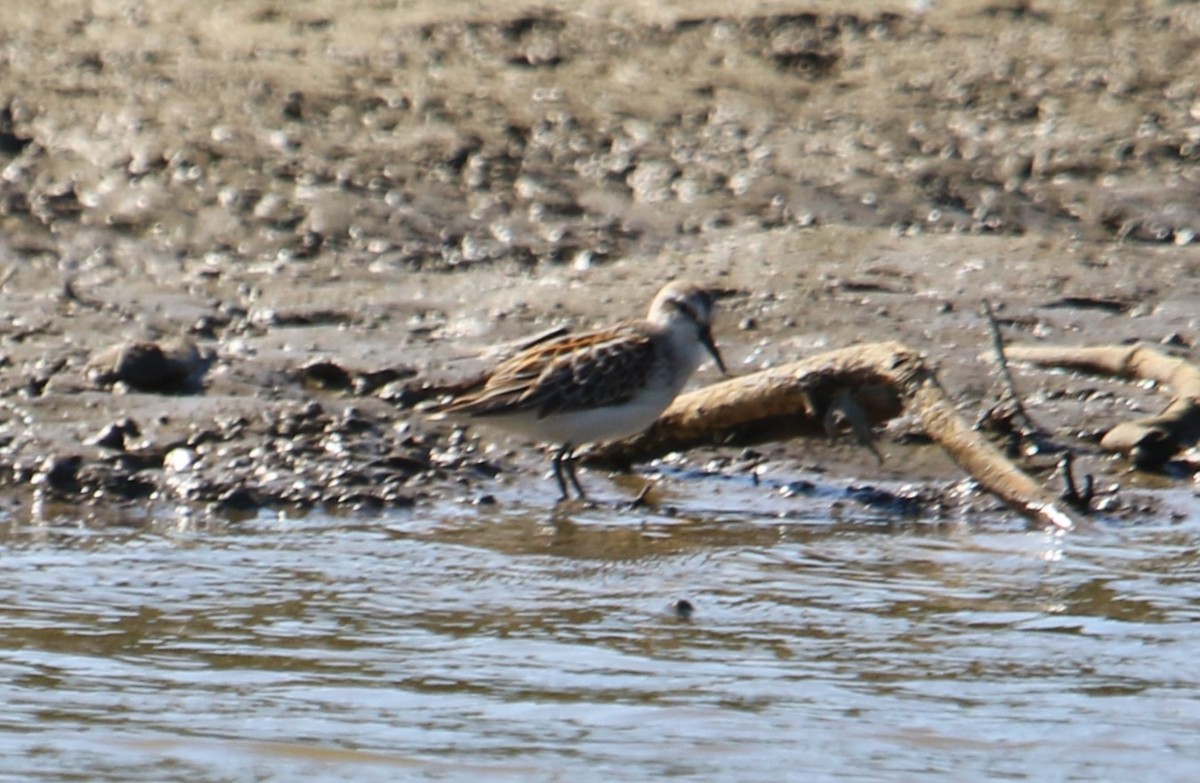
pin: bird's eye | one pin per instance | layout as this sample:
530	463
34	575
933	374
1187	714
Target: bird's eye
686	309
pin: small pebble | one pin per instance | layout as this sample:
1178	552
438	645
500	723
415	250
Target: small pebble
1176	339
111	437
179	459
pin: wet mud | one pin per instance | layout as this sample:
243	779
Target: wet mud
241	244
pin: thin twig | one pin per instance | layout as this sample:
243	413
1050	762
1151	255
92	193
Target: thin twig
1010	388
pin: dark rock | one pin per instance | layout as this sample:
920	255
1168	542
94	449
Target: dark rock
150	367
683	609
368	382
238	499
60	472
111	437
325	375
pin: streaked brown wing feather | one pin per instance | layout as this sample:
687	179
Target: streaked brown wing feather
606	373
570	373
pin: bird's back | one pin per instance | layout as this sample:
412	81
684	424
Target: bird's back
597	369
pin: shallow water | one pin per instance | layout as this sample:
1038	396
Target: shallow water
509	642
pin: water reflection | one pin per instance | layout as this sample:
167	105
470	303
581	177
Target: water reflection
508	641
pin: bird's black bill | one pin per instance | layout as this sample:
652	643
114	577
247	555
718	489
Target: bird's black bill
706	339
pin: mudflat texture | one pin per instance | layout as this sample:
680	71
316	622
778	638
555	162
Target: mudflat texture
237	240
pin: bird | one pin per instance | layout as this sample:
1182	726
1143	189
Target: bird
600	385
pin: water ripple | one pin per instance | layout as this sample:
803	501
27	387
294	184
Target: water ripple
516	642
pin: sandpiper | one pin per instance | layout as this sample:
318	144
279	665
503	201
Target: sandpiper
602	385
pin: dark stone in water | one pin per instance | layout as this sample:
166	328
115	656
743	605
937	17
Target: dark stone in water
683	609
239	499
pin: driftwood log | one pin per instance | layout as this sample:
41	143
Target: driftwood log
864	385
1150	441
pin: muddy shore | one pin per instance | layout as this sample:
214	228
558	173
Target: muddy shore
319	211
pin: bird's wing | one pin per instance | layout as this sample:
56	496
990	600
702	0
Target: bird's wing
570	373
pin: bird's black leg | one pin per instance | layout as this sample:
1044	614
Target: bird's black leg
569	464
557	462
564	471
